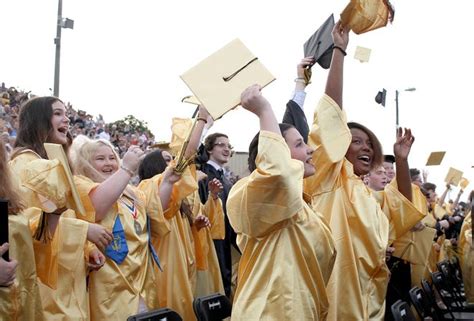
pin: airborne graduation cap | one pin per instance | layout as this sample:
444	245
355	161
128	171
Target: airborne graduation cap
435	158
218	81
320	44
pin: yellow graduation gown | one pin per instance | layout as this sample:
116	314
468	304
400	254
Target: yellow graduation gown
21	301
360	228
287	248
116	289
208	277
40	183
416	247
467	257
174	285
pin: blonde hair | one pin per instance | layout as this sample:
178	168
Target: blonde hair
83	150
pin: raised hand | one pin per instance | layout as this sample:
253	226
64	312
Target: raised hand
132	158
253	100
340	35
170	176
403	144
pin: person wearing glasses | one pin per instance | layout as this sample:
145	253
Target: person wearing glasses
218	151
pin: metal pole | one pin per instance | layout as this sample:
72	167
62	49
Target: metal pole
396	109
57	42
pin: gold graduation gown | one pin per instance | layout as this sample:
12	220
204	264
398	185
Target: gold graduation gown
21	301
416	247
467	257
40	182
173	284
287	248
208	278
116	289
360	228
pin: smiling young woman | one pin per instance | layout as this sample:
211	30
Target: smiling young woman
41	184
357	217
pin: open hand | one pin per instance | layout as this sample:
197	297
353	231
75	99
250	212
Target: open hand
403	144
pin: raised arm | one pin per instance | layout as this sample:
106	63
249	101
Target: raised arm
443	196
401	150
294	113
334	84
195	139
252	100
104	196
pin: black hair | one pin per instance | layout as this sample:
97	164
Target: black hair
377	158
253	147
152	164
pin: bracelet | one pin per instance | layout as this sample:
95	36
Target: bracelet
203	119
299	79
340	49
129	171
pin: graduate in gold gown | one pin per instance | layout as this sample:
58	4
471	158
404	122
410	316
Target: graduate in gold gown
176	250
126	284
287	248
360	224
466	256
19	292
62	246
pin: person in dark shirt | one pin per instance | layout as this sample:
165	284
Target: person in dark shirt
218	151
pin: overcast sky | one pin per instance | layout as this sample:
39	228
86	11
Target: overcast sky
125	57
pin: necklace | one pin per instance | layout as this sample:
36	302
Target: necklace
130	205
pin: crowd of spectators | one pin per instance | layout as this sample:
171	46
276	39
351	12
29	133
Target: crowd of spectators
121	133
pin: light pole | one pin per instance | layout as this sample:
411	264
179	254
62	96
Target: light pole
61	23
396	104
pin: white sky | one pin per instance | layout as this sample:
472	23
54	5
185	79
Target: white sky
125	57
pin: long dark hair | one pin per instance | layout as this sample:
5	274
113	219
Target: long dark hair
152	164
253	147
35	125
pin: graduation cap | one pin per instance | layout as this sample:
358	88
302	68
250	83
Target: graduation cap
464	183
453	177
405	246
435	158
380	97
362	54
219	80
320	44
389	158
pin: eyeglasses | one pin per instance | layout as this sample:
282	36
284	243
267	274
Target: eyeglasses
222	145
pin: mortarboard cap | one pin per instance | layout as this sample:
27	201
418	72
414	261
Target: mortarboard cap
380	97
362	54
320	44
405	246
219	80
464	183
435	158
56	151
453	177
389	158
163	145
